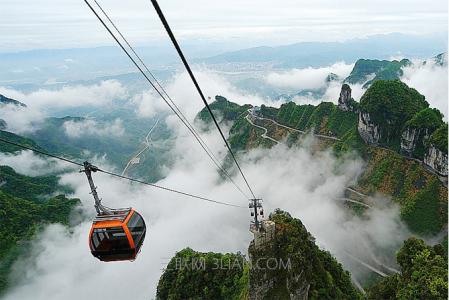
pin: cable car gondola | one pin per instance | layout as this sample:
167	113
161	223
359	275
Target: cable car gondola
116	234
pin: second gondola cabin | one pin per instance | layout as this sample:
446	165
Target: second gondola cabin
117	235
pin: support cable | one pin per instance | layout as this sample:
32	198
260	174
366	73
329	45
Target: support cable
200	92
119	176
175	110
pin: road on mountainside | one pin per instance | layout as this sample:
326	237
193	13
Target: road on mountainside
291	128
363	196
136	158
374	269
264	135
443	179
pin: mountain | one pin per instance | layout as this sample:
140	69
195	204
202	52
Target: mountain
385	108
119	136
417	182
369	70
407	178
26	205
302	270
316	54
8	101
5	100
424	274
7	148
196	275
441	59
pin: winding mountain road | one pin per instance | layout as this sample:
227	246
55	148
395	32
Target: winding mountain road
346	199
291	128
136	158
265	136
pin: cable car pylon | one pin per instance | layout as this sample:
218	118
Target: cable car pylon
255	205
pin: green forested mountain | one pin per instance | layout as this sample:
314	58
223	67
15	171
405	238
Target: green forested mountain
390	104
194	275
117	148
421	195
377	69
32	188
311	269
423	274
7	148
26	204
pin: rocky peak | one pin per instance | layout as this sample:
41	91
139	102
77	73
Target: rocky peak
5	100
441	59
418	130
367	129
289	265
385	108
344	101
332	77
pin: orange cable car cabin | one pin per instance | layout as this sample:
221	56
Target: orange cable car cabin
117	235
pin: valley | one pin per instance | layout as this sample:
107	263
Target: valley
398	138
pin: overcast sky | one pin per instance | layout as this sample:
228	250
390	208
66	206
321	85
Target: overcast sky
28	24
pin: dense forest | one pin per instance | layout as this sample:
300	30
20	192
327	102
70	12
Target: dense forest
26	205
420	194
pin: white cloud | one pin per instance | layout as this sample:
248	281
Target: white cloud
431	80
75	129
308	78
95	95
183	93
27	163
305	184
41	102
21	119
149	104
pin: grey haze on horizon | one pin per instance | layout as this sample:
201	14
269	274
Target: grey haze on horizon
228	25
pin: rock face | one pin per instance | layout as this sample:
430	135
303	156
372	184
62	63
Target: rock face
437	160
344	101
368	130
408	141
411	139
291	266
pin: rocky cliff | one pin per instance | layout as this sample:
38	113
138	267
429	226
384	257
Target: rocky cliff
397	117
345	101
385	109
367	71
409	140
288	265
417	131
420	193
291	266
437	160
368	130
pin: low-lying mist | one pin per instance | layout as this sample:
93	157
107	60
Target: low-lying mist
307	184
